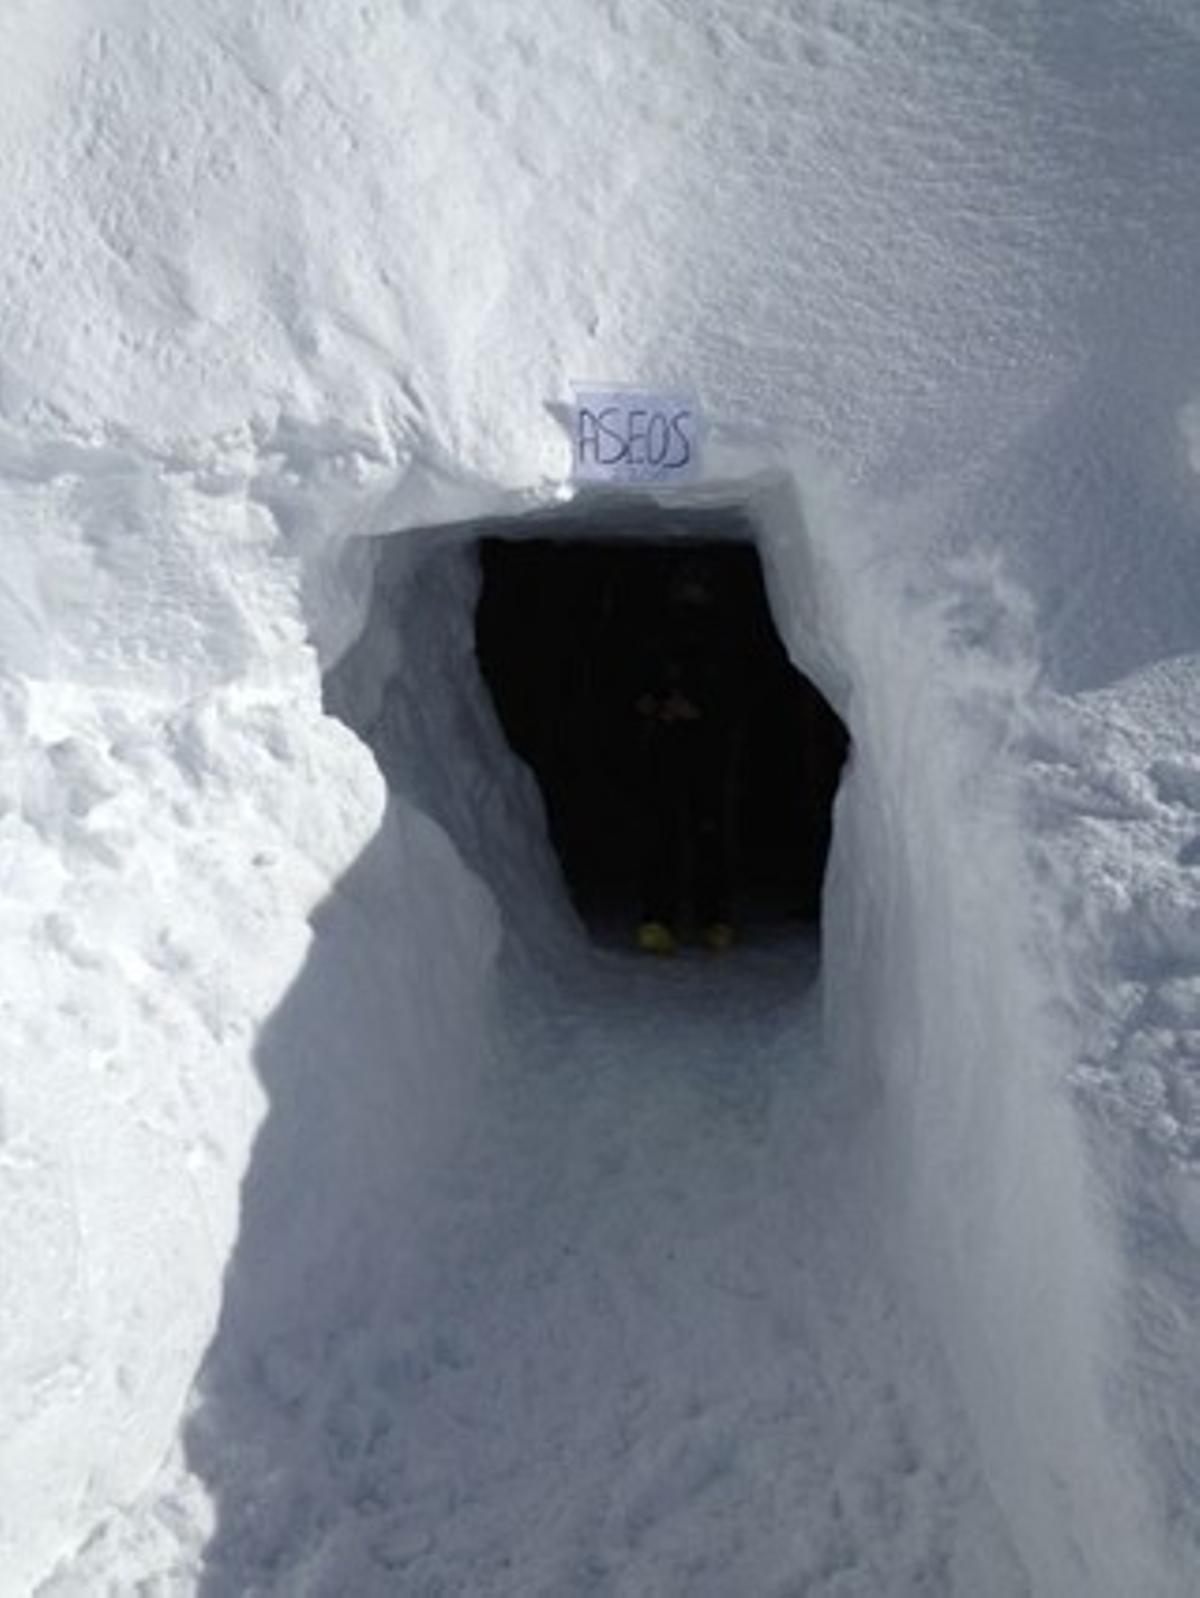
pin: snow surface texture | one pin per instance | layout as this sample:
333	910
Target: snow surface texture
276	277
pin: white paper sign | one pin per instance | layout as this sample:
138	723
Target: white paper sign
628	435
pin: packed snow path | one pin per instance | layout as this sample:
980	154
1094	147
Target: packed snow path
650	1347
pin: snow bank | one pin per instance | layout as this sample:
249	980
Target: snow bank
944	981
272	280
160	855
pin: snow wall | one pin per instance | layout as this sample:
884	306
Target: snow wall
277	280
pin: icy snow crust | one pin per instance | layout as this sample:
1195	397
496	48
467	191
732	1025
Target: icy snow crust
274	278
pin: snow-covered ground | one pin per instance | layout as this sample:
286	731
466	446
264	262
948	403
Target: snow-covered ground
637	1338
277	1094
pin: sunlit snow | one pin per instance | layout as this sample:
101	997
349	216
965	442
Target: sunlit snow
369	1229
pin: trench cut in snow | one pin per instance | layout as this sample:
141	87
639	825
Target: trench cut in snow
557	1274
591	1247
936	1008
262	295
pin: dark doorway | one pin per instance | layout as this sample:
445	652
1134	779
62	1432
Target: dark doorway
564	631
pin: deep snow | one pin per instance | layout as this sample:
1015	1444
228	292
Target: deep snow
637	1337
274	278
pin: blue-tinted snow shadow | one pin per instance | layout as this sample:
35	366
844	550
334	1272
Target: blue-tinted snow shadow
356	1295
365	1064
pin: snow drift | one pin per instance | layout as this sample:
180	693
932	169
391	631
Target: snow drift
275	281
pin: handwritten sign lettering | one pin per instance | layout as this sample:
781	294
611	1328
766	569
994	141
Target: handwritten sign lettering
634	436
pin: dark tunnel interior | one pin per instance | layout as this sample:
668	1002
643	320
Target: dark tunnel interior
687	768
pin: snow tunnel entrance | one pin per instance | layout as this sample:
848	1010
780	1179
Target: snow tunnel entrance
688	769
